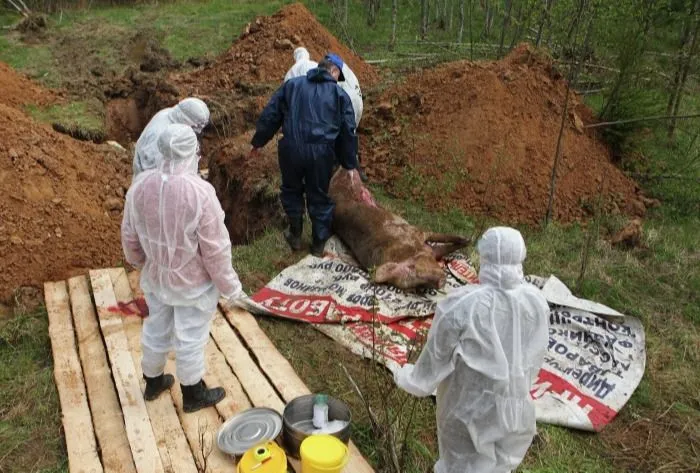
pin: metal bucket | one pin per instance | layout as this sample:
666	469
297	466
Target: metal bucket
300	411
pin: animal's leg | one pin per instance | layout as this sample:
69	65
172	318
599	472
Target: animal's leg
451	243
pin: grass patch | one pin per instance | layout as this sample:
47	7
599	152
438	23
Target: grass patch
74	115
30	415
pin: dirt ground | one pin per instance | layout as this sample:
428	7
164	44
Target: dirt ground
17	90
63	198
481	137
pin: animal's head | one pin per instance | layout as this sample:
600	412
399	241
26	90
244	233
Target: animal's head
420	271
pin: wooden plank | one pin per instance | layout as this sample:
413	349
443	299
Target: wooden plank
256	385
175	453
236	399
254	382
75	411
281	373
278	369
138	426
106	410
200	429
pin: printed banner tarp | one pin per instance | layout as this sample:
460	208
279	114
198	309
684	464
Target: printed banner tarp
593	363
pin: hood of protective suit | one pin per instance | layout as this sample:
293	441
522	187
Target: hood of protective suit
180	150
191	111
301	54
502	252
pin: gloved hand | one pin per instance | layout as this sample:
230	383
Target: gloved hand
232	302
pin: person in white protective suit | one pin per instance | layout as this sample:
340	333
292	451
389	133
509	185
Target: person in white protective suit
483	352
173	231
302	64
190	111
351	85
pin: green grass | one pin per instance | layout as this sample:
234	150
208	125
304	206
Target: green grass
30	418
73	115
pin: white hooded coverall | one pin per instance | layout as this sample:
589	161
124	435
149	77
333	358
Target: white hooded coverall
483	352
352	87
173	230
302	64
190	111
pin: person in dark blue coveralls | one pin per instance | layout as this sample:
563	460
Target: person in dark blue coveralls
318	124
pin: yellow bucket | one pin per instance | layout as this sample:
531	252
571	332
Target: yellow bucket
323	454
264	458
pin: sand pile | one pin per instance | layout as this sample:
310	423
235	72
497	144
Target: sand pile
482	136
263	53
61	202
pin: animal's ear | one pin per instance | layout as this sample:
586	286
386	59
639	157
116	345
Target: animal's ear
385	272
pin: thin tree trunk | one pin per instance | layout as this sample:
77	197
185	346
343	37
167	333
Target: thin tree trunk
682	54
543	21
345	13
557	153
460	34
452	11
471	30
506	24
488	17
423	19
524	18
394	19
684	76
629	60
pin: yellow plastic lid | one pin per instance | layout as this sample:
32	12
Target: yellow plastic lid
276	460
323	450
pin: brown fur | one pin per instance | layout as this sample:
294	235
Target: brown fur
397	250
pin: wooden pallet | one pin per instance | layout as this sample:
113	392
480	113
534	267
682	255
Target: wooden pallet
108	426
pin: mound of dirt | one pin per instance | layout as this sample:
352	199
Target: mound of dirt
61	210
263	53
482	137
247	188
17	90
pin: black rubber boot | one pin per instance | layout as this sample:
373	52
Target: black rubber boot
317	247
293	233
156	386
198	397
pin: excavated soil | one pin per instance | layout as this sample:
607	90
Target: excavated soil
62	201
247	188
17	90
482	137
263	53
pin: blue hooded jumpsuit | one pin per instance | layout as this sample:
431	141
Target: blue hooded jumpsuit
318	124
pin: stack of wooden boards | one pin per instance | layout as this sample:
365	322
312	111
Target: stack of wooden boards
97	366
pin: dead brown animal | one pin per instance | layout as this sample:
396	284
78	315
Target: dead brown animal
399	252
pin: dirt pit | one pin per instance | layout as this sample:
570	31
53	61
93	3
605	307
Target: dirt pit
63	201
248	189
264	52
481	137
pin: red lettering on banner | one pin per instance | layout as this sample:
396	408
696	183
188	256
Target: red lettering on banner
464	270
316	309
598	413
